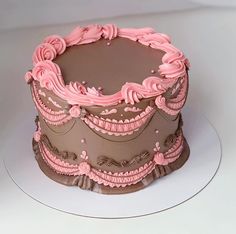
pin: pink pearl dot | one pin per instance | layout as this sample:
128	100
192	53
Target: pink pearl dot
153	71
108	43
82	141
100	88
84	82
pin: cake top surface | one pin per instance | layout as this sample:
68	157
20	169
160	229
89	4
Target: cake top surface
109	64
106	65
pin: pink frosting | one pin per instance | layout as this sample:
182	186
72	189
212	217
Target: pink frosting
49	74
57	42
133	33
110	31
75	111
45	51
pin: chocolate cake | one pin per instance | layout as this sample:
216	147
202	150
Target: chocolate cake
109	102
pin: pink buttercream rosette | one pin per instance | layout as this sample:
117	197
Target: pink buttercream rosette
84	168
159	159
75	111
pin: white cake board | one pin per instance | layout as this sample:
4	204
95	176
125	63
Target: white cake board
162	194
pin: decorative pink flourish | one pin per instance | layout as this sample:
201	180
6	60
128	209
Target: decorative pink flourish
132	109
108	112
84	155
157	147
133	33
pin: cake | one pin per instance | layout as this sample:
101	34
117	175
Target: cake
109	106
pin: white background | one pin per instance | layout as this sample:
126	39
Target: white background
207	36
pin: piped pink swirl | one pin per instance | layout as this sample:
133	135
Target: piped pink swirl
44	52
57	42
110	31
45	66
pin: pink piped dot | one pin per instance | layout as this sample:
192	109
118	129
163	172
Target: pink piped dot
82	141
84	82
108	43
153	71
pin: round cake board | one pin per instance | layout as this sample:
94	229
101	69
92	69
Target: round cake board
162	194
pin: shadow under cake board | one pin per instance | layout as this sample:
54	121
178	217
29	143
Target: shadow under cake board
162	194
